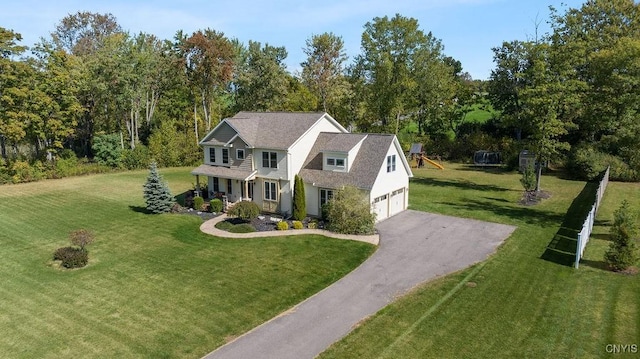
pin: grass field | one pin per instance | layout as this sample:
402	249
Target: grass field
516	304
155	286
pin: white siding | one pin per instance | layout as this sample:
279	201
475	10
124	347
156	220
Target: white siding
312	199
387	182
273	173
301	148
286	197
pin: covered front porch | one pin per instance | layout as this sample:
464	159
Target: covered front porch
231	185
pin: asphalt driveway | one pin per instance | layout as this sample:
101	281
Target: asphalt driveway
415	247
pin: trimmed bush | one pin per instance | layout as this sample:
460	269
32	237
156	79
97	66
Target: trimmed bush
312	225
349	212
198	203
61	253
215	205
282	226
297	225
244	210
299	201
622	251
71	257
224	225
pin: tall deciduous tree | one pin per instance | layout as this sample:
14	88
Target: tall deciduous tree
84	32
208	59
389	54
507	83
323	71
262	81
11	82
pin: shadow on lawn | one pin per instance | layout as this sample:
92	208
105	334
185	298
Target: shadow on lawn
140	209
528	215
459	184
562	248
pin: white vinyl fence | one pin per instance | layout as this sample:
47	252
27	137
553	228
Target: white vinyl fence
587	226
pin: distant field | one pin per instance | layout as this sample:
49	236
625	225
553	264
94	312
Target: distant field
155	287
516	304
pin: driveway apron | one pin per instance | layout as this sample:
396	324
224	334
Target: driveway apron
415	247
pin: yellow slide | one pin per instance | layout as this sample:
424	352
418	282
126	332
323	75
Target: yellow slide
433	163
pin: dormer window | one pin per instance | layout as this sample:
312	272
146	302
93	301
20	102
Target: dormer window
339	162
336	162
331	161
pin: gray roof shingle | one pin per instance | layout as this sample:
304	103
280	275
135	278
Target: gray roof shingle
343	143
277	130
364	169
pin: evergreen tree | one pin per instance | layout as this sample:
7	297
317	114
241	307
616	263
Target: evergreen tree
622	251
299	202
156	192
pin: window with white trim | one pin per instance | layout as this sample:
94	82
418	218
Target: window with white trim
229	187
325	195
331	161
212	154
339	162
240	153
269	159
225	155
270	191
391	163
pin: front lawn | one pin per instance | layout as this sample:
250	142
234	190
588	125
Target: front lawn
155	286
516	304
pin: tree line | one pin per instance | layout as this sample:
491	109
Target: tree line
93	90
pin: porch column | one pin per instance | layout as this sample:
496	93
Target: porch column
246	189
198	186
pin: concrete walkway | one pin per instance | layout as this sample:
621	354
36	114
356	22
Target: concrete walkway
209	227
415	247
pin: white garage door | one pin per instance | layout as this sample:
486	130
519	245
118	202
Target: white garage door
380	207
396	202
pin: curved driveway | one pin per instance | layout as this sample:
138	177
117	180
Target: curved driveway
414	247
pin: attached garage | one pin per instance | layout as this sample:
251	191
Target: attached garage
381	207
396	202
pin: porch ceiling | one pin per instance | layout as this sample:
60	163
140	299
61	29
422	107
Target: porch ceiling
224	172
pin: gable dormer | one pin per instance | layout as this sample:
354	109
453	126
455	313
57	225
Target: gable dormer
340	152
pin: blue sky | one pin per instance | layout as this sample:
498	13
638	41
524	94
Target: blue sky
468	28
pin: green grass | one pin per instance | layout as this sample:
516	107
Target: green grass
155	286
481	113
516	304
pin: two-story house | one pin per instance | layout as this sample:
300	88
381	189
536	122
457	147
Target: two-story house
255	156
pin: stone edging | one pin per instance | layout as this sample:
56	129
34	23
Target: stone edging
209	227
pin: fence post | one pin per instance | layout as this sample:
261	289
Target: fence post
578	255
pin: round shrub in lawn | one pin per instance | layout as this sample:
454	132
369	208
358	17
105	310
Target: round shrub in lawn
282	226
71	257
245	210
215	205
